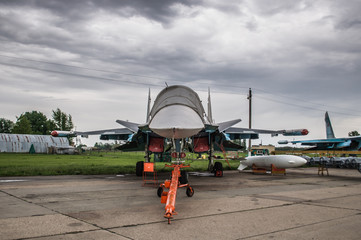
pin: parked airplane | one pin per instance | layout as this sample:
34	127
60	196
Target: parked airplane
177	121
331	142
178	114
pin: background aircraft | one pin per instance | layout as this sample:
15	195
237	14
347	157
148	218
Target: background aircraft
331	142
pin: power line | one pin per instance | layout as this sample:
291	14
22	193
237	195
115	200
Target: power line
303	100
227	86
307	107
85	68
80	75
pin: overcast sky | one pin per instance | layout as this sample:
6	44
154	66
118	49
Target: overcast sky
96	60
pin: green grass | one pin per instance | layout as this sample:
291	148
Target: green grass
95	163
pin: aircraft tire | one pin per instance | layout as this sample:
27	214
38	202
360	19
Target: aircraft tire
218	169
184	177
139	168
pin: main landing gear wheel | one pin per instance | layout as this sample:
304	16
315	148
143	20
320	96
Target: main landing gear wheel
218	169
139	168
184	177
189	191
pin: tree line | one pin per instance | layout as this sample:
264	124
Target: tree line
36	122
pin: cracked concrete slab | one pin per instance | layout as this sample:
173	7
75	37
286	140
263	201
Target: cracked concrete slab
237	206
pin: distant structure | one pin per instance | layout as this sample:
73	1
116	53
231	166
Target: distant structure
270	148
20	143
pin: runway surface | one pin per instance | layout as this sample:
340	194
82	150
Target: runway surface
300	205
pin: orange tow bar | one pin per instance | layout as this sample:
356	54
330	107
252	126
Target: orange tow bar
169	197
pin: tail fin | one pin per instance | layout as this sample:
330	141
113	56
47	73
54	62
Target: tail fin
210	117
329	130
148	107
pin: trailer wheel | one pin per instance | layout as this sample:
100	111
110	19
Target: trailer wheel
160	191
189	191
139	168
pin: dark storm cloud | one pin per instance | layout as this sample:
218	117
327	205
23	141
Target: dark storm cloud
346	15
158	10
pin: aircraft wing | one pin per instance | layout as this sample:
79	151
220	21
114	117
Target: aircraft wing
319	141
98	132
246	133
114	134
353	143
108	134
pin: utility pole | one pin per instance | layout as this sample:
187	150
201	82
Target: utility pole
250	117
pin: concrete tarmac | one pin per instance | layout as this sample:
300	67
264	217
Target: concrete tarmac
300	205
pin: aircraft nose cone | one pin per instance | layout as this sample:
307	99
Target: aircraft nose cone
176	121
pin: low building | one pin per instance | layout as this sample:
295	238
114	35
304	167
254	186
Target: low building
270	148
21	143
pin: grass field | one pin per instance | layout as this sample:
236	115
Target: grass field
94	163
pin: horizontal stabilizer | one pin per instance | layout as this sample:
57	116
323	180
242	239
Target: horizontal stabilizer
225	125
130	125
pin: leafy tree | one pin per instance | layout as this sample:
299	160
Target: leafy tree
38	121
353	134
22	126
62	121
6	125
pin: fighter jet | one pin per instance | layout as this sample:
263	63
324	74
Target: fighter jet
331	142
177	120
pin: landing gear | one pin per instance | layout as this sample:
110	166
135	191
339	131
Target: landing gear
184	177
189	191
139	168
218	169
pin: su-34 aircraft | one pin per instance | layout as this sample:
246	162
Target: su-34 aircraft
177	122
331	142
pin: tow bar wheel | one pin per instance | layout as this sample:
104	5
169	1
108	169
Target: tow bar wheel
189	191
160	191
